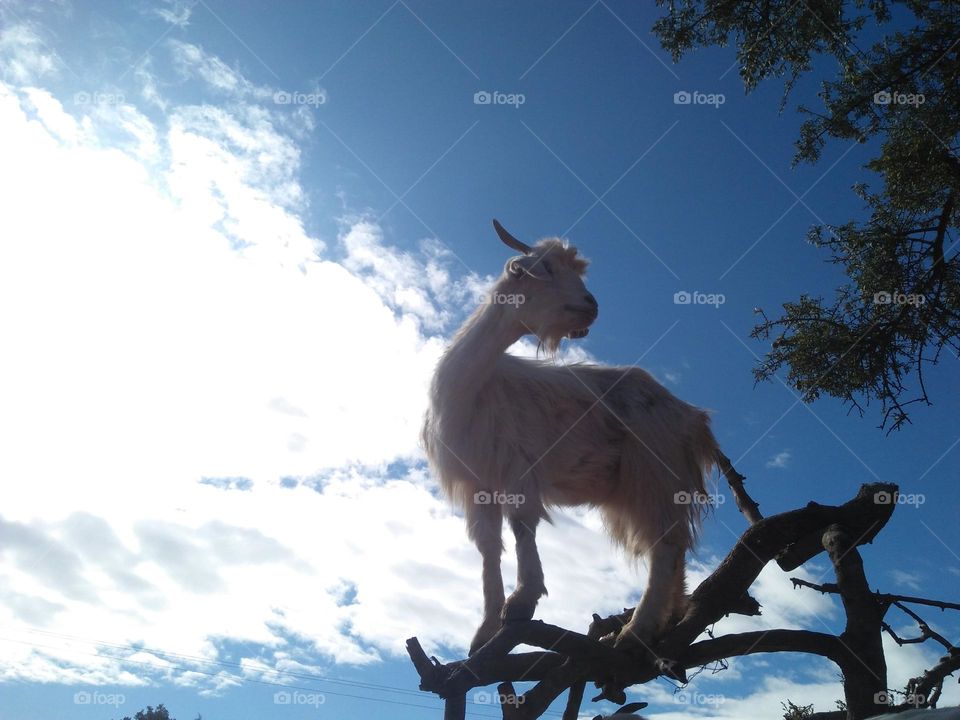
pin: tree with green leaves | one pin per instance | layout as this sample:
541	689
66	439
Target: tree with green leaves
900	308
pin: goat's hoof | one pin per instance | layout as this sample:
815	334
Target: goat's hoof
486	631
518	609
634	639
604	628
672	669
612	693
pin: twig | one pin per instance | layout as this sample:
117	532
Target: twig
926	632
881	597
745	503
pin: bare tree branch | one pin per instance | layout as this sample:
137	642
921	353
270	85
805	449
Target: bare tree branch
881	597
572	659
745	503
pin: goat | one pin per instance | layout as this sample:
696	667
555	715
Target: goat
509	436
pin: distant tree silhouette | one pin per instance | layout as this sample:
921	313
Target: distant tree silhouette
158	713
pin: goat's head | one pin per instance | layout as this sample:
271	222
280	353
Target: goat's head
546	286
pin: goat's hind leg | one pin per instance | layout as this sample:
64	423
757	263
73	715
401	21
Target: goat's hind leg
530	587
485	527
665	581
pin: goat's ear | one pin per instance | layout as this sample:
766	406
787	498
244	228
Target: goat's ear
527	265
515	267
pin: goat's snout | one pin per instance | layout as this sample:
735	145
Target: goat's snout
591	301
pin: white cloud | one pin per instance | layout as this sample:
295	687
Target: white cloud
24	57
149	85
162	337
907	579
402	279
175	12
174	323
780	460
191	61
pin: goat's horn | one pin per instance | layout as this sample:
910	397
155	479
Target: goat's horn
509	240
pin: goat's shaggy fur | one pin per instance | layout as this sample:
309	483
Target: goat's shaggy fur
508	436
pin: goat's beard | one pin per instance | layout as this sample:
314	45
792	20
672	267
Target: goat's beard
549	339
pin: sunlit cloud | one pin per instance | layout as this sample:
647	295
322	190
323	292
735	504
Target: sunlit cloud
780	460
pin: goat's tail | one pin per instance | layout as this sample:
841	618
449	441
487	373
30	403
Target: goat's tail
663	493
702	452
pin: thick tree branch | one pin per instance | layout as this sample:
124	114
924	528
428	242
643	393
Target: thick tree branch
864	666
774	537
762	641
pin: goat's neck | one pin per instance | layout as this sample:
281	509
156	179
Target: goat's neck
470	361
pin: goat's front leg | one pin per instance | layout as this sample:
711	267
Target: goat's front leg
665	581
485	527
530	588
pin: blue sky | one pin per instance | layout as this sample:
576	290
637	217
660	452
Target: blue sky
236	239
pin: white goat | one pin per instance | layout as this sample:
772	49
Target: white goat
511	436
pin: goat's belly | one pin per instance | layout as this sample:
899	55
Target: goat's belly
587	484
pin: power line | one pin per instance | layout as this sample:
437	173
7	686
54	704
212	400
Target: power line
224	663
238	666
232	677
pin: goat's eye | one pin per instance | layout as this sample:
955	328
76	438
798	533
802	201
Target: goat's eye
546	266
